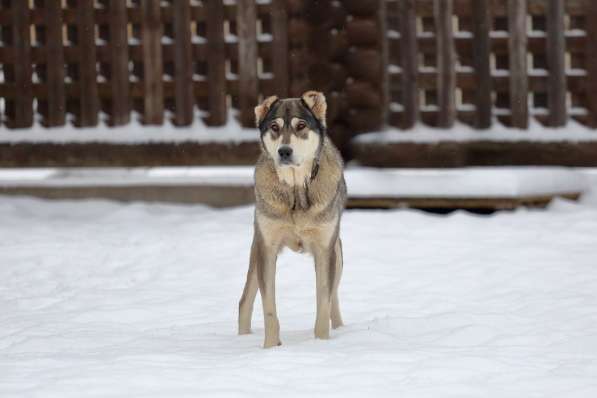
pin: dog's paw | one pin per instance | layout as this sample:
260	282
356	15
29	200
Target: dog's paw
270	344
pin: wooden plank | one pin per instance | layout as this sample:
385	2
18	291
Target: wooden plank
152	62
183	64
247	60
279	18
517	44
591	54
88	95
446	58
481	56
381	37
23	103
556	61
216	64
120	112
409	63
54	64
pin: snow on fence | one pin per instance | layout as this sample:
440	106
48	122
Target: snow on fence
380	62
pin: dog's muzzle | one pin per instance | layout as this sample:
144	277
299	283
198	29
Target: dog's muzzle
285	154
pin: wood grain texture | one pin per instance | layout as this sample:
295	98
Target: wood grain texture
446	61
481	56
519	85
247	59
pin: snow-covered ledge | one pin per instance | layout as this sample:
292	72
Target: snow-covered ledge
475	182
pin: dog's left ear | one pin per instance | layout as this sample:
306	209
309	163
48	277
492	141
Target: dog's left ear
316	102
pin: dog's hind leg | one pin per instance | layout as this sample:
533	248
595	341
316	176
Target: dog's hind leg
245	306
335	311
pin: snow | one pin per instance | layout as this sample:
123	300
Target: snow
134	132
473	182
573	132
119	300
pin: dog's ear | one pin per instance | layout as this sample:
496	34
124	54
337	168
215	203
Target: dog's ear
262	109
316	102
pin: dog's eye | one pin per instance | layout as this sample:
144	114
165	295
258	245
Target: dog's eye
300	126
274	127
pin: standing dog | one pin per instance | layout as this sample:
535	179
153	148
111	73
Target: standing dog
300	194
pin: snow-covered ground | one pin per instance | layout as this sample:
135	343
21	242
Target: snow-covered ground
101	299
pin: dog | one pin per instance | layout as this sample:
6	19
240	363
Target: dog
300	195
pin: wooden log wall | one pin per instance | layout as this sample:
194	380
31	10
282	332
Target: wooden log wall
478	60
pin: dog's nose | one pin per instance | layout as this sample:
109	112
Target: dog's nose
285	153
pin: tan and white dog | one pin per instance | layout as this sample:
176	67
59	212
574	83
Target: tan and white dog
300	194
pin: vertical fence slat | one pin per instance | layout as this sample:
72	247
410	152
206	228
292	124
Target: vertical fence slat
23	101
556	61
481	56
247	60
280	44
88	94
409	63
591	53
446	79
183	63
152	62
517	44
216	64
55	63
119	72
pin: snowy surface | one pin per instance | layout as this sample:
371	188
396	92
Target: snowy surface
135	132
477	182
100	299
132	133
498	132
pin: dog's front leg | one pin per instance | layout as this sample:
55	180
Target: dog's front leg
245	306
266	269
323	288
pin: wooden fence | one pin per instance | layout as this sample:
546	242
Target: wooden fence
380	62
476	59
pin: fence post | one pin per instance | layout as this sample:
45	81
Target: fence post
247	60
54	63
409	63
23	99
280	46
119	72
183	64
556	53
216	64
88	93
153	89
591	51
481	57
517	44
446	78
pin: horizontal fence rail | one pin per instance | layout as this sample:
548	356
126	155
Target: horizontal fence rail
395	62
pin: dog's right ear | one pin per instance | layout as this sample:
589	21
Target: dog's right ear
262	109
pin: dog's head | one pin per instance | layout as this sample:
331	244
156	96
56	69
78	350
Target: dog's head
293	129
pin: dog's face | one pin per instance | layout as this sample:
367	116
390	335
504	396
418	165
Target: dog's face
292	129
